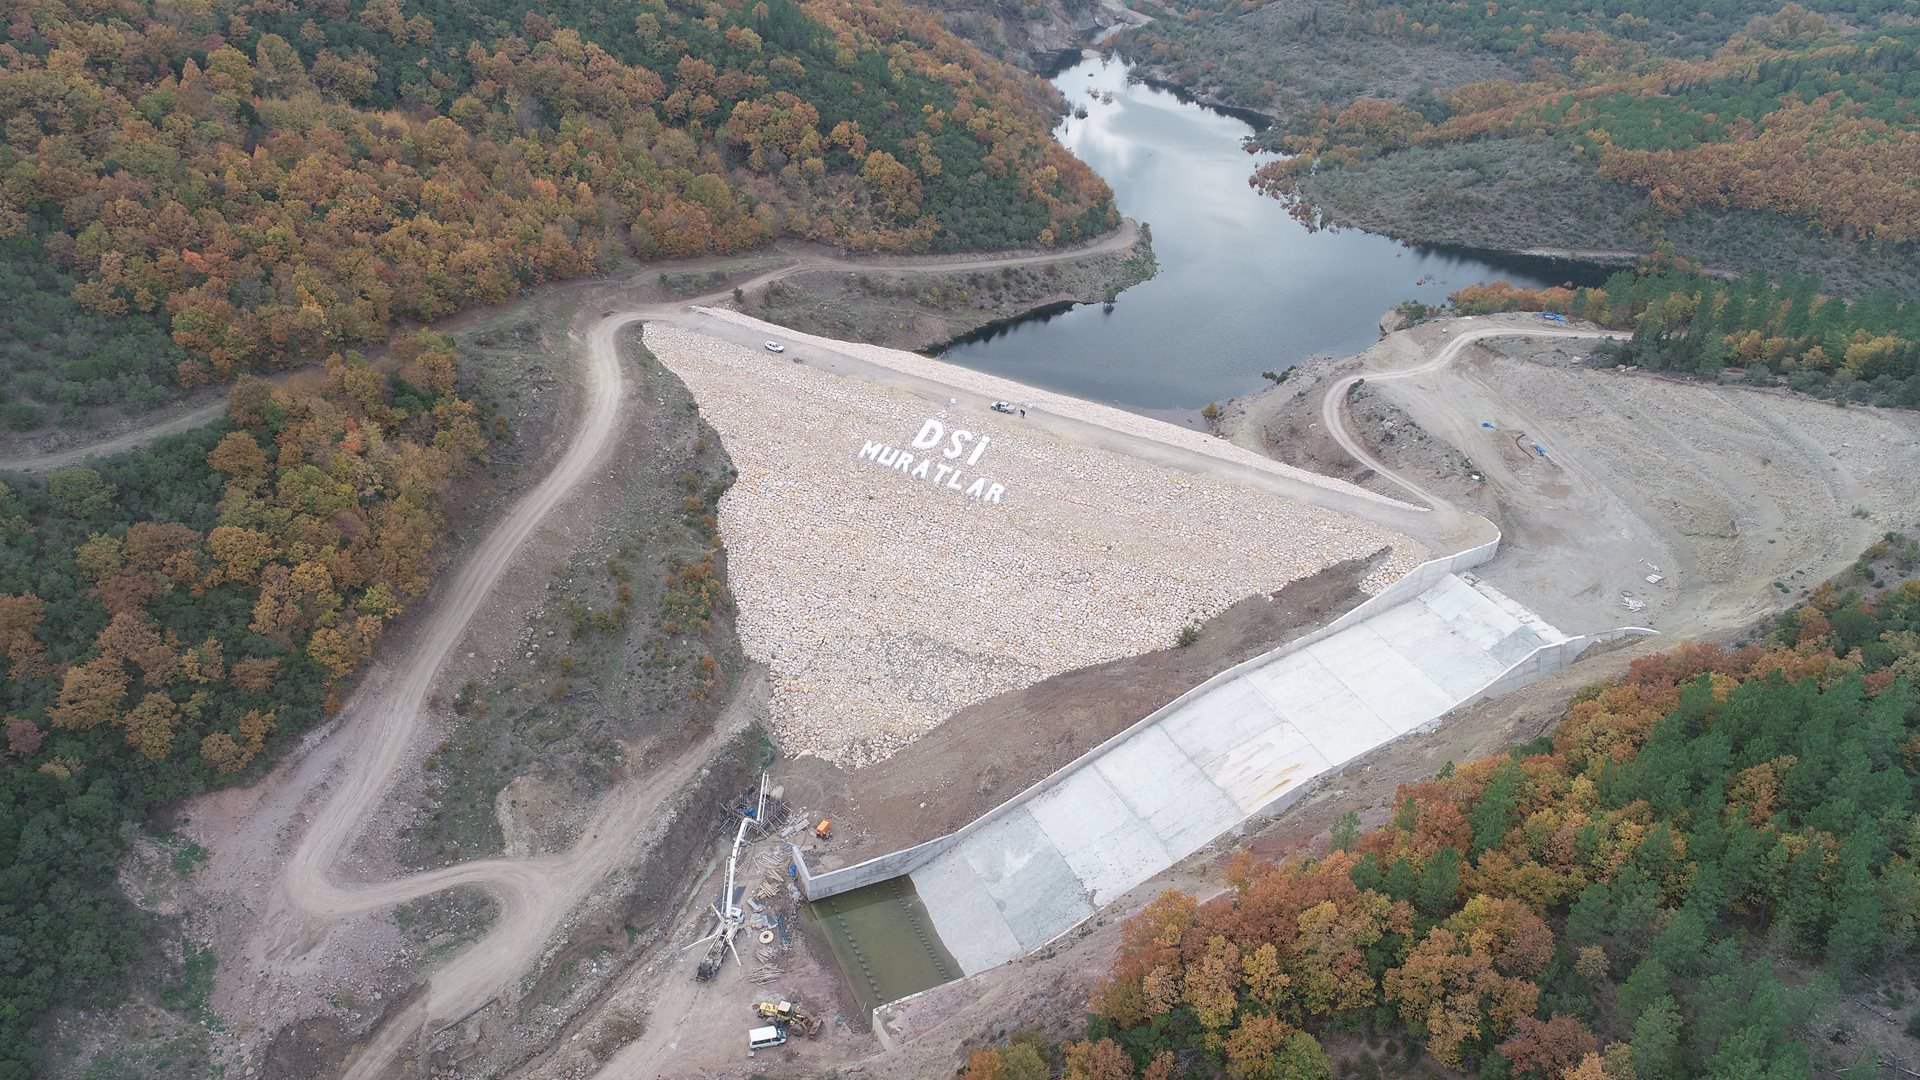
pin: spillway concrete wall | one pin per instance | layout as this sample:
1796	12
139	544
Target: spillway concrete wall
818	885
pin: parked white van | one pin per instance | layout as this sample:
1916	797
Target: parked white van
762	1037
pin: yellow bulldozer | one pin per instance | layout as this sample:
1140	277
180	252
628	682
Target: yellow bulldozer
785	1015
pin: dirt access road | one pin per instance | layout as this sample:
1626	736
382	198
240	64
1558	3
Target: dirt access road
807	259
381	722
1333	404
199	416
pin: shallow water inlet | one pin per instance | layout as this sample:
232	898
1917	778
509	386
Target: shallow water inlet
884	942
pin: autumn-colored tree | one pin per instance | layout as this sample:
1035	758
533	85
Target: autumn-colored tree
1550	1048
220	751
1592	1067
1103	1060
1331	967
128	591
1210	985
205	662
1253	1045
23	736
255	726
20	646
150	725
134	637
1472	974
1145	981
239	552
241	459
89	694
984	1064
340	649
165	549
254	674
100	557
228	755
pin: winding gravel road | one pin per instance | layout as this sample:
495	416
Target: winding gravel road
1333	407
382	721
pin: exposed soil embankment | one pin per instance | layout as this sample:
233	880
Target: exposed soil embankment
1032	34
991	751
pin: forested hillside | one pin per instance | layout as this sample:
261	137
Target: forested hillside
1866	350
269	181
1805	117
167	617
1671	885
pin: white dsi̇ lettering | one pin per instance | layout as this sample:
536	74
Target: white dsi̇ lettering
957	443
981	448
930	435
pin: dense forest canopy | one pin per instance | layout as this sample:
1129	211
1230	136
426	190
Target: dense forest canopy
271	181
167	616
1638	896
1811	112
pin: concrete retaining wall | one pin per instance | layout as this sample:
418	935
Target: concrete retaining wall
819	886
1551	658
1416	581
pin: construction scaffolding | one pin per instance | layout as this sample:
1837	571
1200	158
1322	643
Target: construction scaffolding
757	882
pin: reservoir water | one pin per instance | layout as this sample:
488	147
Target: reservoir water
1243	288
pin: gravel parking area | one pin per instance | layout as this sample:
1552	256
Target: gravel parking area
887	595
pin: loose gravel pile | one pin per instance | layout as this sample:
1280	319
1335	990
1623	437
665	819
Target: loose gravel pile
883	604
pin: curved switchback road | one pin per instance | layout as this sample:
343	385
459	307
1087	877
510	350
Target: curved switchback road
1333	406
383	719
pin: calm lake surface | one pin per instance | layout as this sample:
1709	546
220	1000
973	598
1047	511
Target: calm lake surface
1243	288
